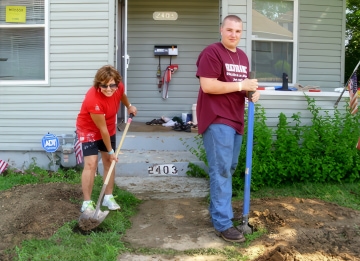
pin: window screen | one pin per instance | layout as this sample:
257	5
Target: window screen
272	40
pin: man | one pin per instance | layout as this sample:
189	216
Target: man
223	71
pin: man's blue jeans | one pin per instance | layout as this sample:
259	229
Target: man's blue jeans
222	145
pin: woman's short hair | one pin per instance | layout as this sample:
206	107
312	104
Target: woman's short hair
106	74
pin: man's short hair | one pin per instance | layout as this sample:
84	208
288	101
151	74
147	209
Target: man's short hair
234	18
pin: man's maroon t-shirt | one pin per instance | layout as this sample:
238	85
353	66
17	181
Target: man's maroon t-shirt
215	61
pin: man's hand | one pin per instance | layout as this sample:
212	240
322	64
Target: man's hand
255	96
249	85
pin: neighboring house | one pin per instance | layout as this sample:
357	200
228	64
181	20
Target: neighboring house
50	51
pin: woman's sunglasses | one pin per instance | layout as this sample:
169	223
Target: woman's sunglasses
104	86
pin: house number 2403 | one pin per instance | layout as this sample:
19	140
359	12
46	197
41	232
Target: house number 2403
166	169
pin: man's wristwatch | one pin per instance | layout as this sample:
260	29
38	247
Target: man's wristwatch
111	152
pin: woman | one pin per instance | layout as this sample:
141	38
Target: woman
96	130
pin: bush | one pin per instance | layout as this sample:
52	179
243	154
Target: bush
321	152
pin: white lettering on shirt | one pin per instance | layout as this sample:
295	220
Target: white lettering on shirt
235	68
237	72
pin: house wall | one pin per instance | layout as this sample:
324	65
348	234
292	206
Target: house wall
196	27
320	63
81	41
289	103
82	35
321	43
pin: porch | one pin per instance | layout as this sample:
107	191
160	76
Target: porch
154	151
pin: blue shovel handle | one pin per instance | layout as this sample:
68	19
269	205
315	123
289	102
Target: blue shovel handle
249	149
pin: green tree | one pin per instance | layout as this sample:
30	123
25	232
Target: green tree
352	48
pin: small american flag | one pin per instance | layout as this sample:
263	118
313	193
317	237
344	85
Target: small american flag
3	166
78	151
352	87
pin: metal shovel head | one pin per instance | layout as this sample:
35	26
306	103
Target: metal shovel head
245	228
88	220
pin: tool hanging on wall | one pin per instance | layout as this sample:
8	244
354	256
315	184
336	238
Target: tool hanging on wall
163	81
158	76
167	78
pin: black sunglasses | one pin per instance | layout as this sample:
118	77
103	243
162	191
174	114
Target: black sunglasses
104	86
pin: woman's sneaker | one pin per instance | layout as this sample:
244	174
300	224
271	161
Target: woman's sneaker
87	205
231	235
109	201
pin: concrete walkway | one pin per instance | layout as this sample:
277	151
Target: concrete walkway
173	215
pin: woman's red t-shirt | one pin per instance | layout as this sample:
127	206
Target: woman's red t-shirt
97	103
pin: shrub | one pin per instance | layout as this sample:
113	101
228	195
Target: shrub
323	151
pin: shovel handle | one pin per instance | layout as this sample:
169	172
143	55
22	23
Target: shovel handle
250	94
118	149
112	166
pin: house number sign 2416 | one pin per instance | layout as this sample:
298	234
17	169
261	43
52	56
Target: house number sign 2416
165	15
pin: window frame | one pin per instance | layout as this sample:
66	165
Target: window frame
250	40
44	82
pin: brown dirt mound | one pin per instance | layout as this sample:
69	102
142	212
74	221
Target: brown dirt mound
36	211
298	229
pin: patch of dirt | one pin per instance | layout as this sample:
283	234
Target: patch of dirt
36	211
298	229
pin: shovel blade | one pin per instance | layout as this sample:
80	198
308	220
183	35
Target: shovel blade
246	229
88	220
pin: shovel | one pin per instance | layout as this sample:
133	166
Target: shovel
245	227
90	219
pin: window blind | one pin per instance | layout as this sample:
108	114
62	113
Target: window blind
22	45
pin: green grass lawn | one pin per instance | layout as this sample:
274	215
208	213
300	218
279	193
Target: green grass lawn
107	245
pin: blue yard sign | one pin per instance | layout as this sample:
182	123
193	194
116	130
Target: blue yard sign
50	142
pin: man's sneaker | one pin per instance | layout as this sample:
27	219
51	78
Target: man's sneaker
231	235
87	205
110	203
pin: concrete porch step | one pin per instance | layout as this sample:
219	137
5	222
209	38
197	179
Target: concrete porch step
153	163
155	154
164	187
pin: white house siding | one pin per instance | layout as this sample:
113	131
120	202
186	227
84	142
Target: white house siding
320	57
320	62
289	103
81	41
239	8
196	27
321	43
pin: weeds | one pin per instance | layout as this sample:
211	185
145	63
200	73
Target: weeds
322	152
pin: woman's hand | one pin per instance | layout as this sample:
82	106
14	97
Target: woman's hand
132	109
113	157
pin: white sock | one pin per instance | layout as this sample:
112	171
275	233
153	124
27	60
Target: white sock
86	202
106	197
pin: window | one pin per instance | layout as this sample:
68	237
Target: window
273	39
23	41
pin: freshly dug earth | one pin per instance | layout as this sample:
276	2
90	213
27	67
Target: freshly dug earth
298	229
